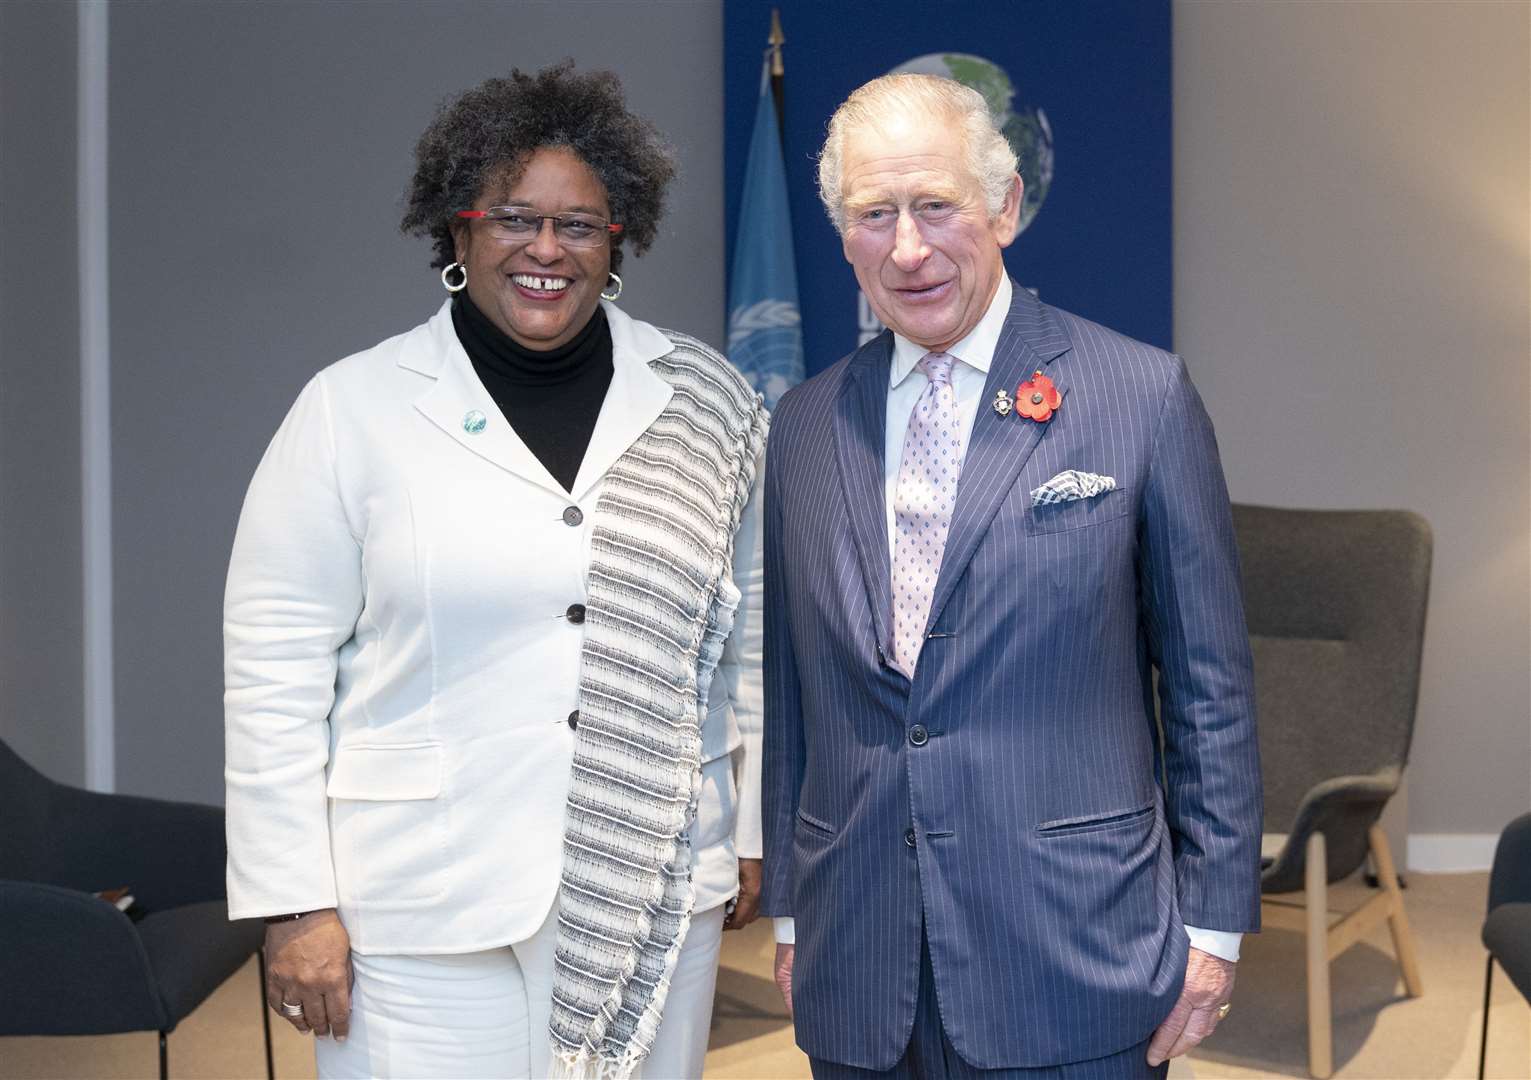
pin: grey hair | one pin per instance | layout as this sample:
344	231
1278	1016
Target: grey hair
989	157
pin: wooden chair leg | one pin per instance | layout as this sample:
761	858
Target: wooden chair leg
1320	1035
1397	920
1488	986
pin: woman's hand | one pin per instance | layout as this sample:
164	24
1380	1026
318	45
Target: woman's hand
308	963
747	905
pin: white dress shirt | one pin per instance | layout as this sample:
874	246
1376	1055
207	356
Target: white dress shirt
974	354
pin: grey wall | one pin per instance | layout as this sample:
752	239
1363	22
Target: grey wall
41	624
1351	279
1352	276
258	157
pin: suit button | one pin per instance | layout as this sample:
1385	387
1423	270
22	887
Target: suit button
909	837
574	720
573	515
575	614
918	736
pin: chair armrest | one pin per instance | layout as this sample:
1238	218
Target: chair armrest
168	853
71	964
1507	934
1510	880
1343	808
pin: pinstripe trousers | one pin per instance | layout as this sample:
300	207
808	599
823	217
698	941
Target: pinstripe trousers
931	1056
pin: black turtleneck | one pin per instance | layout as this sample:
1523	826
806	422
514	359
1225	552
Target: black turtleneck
550	397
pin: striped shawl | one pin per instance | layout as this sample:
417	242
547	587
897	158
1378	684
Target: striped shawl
660	603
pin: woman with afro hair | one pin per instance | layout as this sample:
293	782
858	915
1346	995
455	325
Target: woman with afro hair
492	637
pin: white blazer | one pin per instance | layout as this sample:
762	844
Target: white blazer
401	664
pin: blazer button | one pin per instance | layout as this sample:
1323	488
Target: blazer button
918	736
575	614
909	837
574	720
573	515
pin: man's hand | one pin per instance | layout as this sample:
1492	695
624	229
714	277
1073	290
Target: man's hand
784	954
1208	986
308	963
747	903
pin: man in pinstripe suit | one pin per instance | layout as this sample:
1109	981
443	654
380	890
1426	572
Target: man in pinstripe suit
986	531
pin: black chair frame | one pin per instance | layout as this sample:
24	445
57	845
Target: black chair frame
89	968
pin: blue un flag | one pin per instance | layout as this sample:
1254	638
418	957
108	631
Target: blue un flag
765	335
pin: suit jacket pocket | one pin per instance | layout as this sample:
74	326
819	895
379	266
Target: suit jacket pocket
717	805
812	825
388	825
1115	819
386	772
1106	882
720	728
1077	513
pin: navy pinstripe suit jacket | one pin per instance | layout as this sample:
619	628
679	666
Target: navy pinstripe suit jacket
1049	865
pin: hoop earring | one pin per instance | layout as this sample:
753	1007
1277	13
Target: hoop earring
461	285
604	295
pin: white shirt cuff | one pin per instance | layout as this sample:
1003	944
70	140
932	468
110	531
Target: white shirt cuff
1223	944
786	930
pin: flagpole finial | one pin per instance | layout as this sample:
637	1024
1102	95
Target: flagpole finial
776	41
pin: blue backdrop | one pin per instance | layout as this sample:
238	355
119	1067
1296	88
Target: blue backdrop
1099	244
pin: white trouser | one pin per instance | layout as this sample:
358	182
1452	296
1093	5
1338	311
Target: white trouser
485	1014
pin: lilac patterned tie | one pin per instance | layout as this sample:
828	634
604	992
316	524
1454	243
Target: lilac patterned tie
922	506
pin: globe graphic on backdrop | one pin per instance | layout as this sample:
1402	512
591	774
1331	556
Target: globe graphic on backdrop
1025	126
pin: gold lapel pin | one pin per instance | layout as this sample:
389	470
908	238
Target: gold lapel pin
1002	402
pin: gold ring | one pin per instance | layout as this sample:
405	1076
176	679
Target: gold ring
1222	1010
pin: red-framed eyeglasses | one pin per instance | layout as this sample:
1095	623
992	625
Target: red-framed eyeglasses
521	224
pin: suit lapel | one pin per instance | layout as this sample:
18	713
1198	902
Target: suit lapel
999	445
860	429
634	400
457	401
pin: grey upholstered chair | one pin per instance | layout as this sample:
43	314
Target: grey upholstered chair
1336	608
72	964
1507	930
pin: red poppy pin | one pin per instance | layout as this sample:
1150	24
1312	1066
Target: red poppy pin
1037	398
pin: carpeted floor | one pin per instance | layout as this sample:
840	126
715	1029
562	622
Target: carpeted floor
1378	1033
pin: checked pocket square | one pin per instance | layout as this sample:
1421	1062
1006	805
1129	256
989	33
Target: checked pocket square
1070	485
